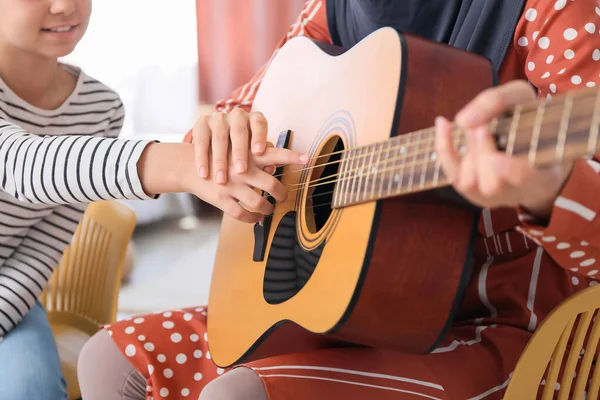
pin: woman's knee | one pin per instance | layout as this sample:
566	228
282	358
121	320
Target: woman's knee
238	384
104	373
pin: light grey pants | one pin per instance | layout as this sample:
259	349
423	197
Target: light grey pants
105	374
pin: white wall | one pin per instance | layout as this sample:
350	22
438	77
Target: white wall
147	51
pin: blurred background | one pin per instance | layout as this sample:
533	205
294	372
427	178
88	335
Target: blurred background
170	62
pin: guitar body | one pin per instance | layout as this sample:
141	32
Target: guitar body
387	273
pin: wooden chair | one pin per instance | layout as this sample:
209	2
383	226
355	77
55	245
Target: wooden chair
83	294
541	361
83	291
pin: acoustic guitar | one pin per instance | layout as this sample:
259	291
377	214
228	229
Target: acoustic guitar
372	247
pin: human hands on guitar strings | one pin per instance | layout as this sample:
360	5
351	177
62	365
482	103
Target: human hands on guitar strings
488	177
467	150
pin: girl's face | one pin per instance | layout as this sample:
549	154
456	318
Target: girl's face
51	28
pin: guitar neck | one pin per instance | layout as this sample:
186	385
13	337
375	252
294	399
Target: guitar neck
544	132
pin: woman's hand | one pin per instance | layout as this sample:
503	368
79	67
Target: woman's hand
212	136
487	177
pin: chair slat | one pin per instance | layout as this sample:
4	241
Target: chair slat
586	363
576	346
87	278
555	364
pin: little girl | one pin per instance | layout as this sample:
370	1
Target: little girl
46	181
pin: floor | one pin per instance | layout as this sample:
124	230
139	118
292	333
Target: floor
173	265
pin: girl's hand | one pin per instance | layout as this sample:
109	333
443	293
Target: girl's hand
239	197
487	177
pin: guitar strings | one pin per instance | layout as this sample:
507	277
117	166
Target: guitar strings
332	178
397	191
388	165
526	110
409	146
427	153
318	206
372	185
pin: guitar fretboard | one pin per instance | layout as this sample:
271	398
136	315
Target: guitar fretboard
544	132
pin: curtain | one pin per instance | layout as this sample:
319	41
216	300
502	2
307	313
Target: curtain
235	38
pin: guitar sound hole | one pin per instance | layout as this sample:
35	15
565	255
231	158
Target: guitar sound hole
323	178
289	266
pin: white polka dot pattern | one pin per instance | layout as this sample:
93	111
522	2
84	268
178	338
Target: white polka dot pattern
541	40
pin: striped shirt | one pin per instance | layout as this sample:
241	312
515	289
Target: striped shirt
47	181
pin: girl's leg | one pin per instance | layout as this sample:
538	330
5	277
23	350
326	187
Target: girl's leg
104	372
29	361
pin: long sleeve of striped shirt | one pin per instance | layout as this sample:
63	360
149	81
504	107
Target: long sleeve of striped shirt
68	169
54	162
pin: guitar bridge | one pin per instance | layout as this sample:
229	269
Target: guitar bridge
262	229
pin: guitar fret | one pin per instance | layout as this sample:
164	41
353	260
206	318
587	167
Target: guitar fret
402	157
366	170
376	168
371	174
362	173
537	128
352	173
336	186
436	171
362	168
390	171
340	186
343	178
593	139
564	126
514	125
427	158
414	162
381	171
394	175
364	155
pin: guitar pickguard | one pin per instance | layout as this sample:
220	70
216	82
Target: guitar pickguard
262	229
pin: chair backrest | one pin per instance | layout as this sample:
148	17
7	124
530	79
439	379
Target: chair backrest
84	288
559	360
